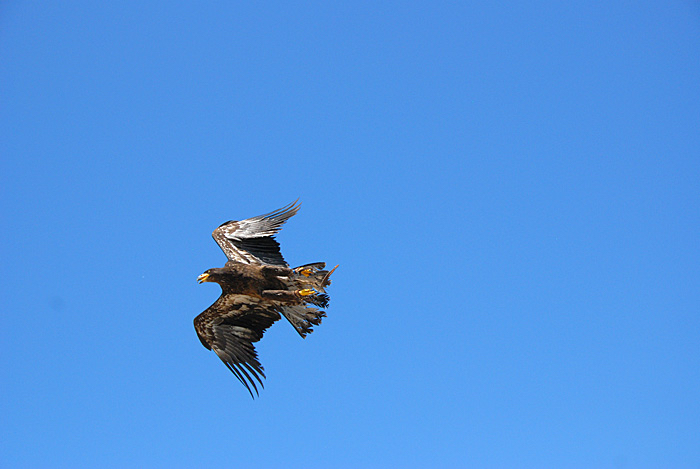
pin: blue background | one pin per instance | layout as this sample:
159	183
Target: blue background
511	191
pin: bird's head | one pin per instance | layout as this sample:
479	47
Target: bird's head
211	275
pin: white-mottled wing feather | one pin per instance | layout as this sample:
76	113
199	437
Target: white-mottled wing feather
251	241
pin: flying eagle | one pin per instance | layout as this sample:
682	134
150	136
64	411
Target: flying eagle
257	287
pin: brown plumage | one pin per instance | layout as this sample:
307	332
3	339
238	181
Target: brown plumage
257	287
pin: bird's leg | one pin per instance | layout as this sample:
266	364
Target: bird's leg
309	269
280	295
289	296
276	271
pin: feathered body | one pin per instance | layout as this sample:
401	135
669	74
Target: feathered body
248	279
257	287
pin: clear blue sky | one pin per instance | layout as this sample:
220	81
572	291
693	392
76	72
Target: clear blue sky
512	191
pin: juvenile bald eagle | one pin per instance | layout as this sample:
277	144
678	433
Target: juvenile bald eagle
257	287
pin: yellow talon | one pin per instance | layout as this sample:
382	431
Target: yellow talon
306	272
306	292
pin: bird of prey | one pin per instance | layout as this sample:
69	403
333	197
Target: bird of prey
257	287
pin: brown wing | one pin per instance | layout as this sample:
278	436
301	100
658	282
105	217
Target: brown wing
251	241
229	327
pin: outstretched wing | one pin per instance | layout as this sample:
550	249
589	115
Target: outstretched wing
229	327
251	241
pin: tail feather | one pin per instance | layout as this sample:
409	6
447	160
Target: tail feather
303	318
319	299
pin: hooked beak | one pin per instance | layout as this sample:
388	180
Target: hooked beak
202	278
